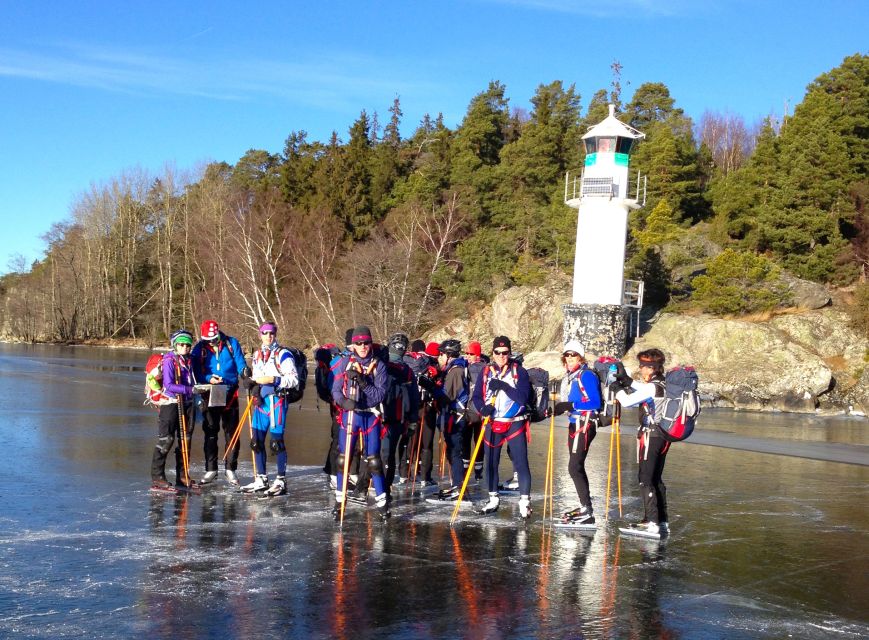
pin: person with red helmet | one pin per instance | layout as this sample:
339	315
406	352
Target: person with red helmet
218	359
476	363
428	414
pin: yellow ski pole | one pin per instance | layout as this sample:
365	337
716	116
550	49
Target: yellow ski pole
618	436
470	471
347	455
547	486
184	454
609	469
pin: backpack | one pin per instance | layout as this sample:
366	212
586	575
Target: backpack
323	375
301	362
154	381
538	394
602	367
473	372
681	404
418	362
396	402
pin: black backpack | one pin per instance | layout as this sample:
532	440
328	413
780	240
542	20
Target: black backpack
538	394
301	362
473	372
396	402
681	404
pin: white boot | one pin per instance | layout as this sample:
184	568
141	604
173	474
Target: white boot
524	506
278	488
492	505
514	482
231	478
209	477
260	483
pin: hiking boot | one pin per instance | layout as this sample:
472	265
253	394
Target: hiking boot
524	507
278	488
161	484
231	478
209	477
492	505
260	483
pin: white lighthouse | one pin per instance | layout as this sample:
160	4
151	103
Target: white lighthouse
603	195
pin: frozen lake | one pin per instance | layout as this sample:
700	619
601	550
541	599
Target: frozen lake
770	533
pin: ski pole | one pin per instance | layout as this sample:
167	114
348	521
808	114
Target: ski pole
618	424
347	455
184	453
469	472
250	430
237	434
609	470
418	449
547	486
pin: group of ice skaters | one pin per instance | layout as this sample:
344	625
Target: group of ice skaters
394	399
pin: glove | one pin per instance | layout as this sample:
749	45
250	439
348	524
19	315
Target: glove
624	380
487	410
246	382
615	387
354	376
562	407
245	373
498	385
412	427
348	404
427	383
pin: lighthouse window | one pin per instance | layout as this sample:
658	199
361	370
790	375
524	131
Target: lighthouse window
606	145
624	145
591	145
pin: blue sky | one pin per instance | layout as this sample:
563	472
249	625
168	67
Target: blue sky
91	89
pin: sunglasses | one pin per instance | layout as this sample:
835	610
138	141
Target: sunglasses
363	343
503	352
571	354
267	333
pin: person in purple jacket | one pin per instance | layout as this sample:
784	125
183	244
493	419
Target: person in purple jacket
579	396
178	398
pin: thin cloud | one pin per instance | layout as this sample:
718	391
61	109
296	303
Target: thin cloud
332	82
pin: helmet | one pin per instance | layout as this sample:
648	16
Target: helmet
575	346
398	342
451	348
182	336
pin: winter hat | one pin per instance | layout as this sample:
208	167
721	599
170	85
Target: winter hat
268	327
474	349
433	349
182	336
575	346
417	346
209	330
361	334
501	341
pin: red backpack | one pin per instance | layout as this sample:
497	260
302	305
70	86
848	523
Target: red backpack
154	380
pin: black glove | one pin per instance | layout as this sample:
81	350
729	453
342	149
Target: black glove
498	385
348	404
354	376
411	428
615	387
245	373
562	407
427	383
246	382
624	380
487	410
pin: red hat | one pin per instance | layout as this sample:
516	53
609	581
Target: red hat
474	349
209	330
432	349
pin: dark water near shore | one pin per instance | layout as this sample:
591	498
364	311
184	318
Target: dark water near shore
763	545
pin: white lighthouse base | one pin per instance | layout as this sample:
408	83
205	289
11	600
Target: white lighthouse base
601	328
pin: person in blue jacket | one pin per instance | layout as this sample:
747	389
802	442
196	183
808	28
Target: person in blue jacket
500	396
218	359
579	396
360	385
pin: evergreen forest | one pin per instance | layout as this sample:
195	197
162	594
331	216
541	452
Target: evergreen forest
401	232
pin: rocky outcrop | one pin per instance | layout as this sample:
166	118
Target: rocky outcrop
806	294
802	362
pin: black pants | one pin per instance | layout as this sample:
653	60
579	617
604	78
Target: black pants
330	467
653	454
388	449
469	439
576	460
168	432
215	418
427	432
